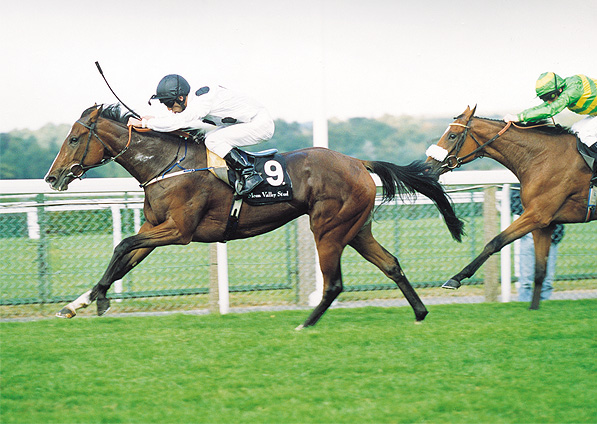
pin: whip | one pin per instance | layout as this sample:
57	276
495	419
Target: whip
99	68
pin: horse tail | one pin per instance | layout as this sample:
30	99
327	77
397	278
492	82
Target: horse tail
416	177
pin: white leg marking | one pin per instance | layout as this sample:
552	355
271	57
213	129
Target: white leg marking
82	301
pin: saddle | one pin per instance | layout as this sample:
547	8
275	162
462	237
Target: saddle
276	186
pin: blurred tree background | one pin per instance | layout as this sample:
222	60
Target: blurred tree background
26	154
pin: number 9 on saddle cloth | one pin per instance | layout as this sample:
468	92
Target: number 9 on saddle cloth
276	185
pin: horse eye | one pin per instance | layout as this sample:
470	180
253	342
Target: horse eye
73	140
452	136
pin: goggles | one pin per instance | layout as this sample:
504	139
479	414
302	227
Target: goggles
169	103
550	96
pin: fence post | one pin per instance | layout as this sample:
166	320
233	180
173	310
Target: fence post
223	289
42	252
33	224
136	219
490	226
306	259
214	295
219	298
505	255
116	239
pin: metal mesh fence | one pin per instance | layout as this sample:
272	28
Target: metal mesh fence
55	247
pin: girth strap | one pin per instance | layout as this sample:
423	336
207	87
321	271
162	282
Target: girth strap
232	223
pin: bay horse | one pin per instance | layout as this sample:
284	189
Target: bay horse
335	190
554	180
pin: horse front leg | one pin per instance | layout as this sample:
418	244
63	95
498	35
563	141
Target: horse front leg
70	310
468	271
119	266
127	254
98	292
526	223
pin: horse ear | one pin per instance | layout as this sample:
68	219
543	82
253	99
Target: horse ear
95	114
468	113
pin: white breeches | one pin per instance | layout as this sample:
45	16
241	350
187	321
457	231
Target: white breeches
223	139
586	129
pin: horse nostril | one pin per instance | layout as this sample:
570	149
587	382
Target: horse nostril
50	179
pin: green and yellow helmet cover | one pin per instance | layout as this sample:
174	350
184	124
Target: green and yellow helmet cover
548	82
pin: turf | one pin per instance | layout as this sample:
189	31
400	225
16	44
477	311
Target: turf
490	363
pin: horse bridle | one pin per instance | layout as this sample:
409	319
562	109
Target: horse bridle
78	169
452	161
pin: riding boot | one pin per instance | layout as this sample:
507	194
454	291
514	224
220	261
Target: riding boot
249	178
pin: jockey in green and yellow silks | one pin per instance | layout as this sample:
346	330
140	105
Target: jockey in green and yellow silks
578	93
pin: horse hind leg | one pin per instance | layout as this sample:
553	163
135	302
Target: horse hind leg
542	241
536	299
329	252
370	249
540	272
332	287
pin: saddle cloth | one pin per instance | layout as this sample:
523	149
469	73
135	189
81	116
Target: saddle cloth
276	186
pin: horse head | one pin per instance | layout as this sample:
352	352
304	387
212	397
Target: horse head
455	147
82	150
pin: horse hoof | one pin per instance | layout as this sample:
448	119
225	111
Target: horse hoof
103	306
451	284
420	316
66	313
299	328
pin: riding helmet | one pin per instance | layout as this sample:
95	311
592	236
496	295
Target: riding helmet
171	87
548	82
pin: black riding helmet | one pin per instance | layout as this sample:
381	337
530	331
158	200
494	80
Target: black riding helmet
170	88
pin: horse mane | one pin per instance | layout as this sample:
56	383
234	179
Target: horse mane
113	112
544	126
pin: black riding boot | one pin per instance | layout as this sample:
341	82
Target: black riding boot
249	178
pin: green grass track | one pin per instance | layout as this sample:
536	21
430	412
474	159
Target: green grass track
481	363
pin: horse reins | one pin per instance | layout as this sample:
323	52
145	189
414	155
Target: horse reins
452	161
80	167
176	163
77	170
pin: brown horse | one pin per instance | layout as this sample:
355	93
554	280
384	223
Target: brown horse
554	180
336	191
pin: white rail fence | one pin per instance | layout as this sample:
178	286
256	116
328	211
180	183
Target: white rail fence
19	196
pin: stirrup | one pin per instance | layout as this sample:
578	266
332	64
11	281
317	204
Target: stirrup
244	185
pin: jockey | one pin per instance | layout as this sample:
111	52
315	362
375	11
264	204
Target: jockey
231	120
577	93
